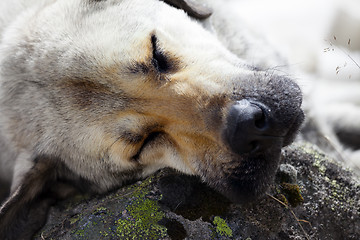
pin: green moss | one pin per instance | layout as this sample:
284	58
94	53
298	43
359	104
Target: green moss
221	227
137	218
74	220
282	198
137	230
143	217
292	193
147	211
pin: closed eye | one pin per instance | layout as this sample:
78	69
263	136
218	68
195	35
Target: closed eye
151	138
159	59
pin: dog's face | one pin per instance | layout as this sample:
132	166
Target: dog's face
119	86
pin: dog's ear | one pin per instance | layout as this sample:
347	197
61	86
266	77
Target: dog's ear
193	8
25	211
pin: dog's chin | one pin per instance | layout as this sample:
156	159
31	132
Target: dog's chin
251	179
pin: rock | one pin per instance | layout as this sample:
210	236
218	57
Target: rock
169	205
286	173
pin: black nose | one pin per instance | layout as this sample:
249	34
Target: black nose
248	129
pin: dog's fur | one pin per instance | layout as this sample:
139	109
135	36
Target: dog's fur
97	93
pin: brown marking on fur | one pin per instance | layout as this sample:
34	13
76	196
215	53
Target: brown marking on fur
130	137
138	67
88	94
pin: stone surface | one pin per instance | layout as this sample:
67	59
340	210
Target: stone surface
324	203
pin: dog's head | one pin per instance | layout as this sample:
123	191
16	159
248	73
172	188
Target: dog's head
119	86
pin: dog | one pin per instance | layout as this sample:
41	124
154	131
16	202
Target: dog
96	93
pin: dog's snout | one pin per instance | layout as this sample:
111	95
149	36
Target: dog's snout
248	127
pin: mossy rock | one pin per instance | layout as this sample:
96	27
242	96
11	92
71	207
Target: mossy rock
172	206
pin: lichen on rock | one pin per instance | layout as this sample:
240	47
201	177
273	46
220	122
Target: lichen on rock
323	203
141	222
221	227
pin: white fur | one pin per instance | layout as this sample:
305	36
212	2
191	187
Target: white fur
102	38
106	41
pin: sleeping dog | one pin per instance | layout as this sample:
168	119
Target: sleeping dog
96	93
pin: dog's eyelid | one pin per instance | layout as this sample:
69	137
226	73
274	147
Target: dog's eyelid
159	59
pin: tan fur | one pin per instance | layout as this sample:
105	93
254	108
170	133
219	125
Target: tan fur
102	92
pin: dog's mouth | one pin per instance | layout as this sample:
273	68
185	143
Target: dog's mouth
247	178
252	174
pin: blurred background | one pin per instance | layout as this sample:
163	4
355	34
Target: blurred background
304	30
321	40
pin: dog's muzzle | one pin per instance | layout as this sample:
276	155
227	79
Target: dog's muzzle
252	128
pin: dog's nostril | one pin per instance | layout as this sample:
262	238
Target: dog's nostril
261	122
247	126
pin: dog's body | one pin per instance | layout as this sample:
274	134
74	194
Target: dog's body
97	93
